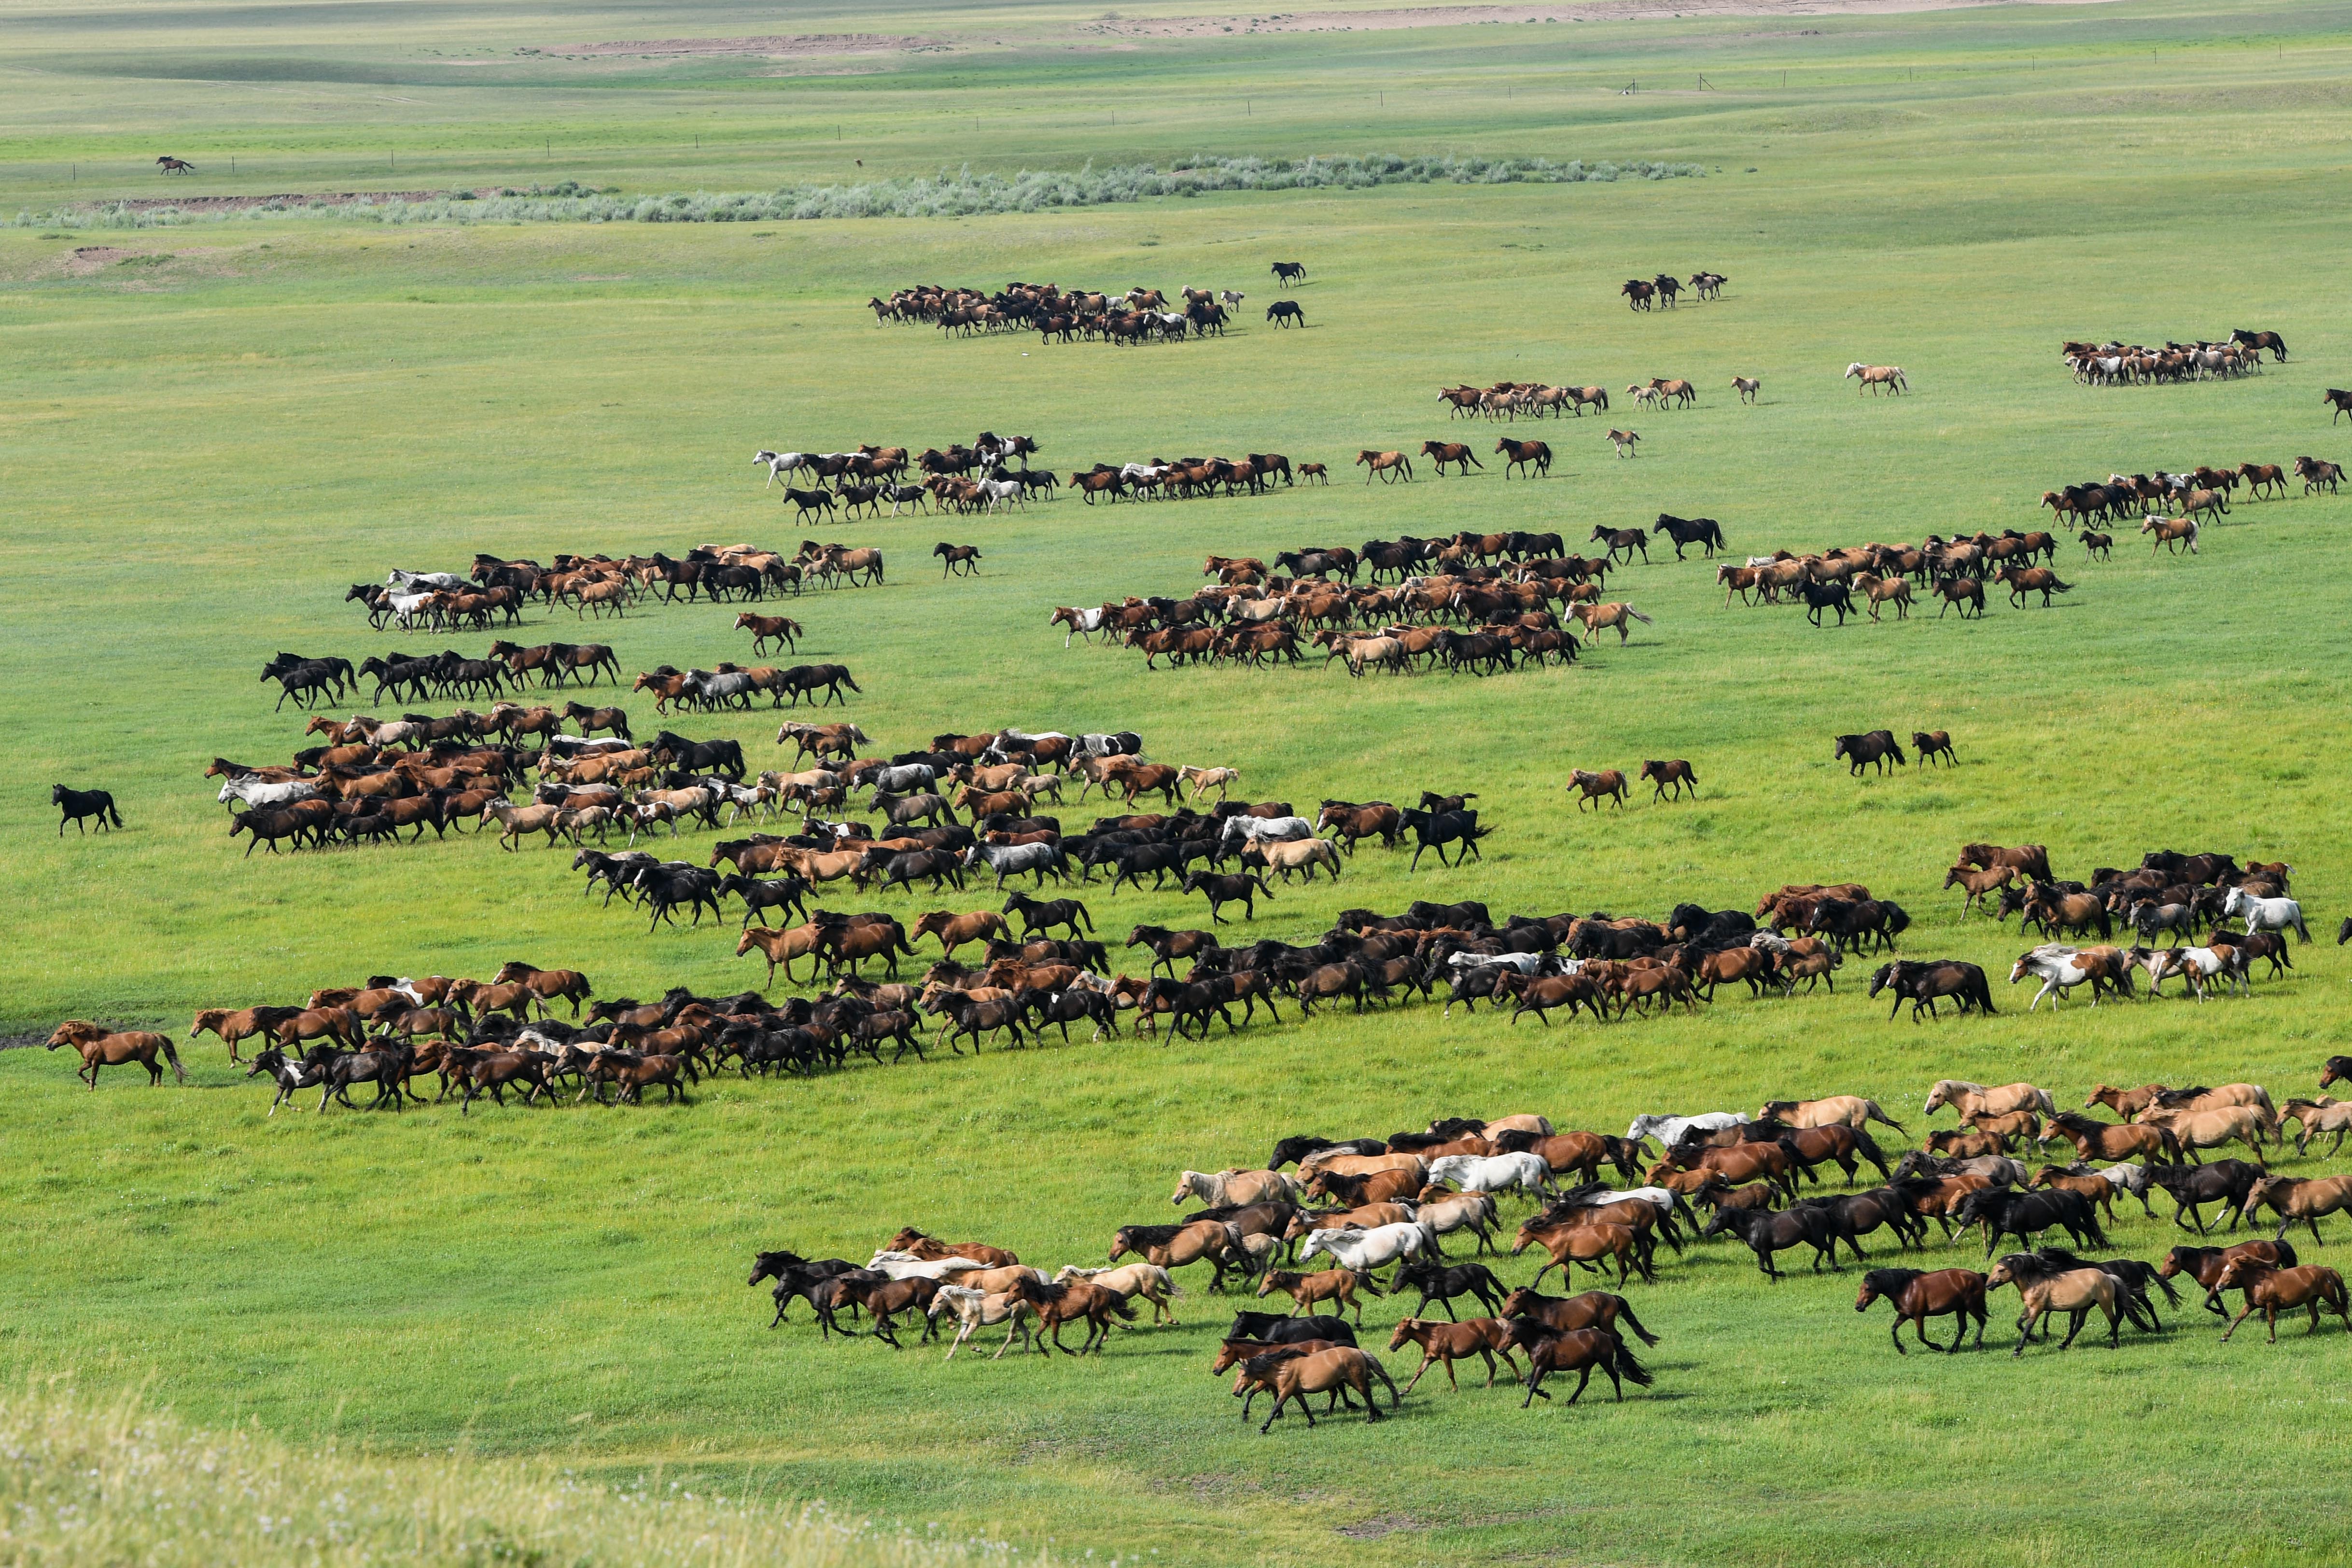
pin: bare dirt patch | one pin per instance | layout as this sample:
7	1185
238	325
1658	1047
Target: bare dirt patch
1565	11
774	44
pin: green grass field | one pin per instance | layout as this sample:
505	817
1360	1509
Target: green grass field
207	432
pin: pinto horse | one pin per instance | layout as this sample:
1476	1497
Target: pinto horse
99	1047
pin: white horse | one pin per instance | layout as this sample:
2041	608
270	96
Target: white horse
1281	829
2266	914
407	608
1525	963
907	1266
1367	1249
1493	1173
267	791
1670	1131
779	464
2059	969
400	579
974	1310
999	492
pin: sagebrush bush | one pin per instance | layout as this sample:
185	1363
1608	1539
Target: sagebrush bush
951	193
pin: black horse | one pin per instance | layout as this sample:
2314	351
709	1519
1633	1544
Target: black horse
1922	983
1245	890
1044	917
667	886
1284	312
699	756
807	679
2228	1183
1289	272
1436	829
77	804
784	893
1878	746
1703	531
1440	1284
1819	596
2005	1211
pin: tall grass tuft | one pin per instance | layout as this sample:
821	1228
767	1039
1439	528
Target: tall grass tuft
86	1480
951	193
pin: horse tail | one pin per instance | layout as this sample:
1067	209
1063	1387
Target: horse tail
1639	616
1869	1148
1119	1306
1629	1369
2286	1254
1396	1400
1364	1280
2171	1145
1626	1315
171	1055
1871	1112
116	816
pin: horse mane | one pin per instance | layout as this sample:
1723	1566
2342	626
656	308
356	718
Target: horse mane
1137	1236
2172	1097
2076	1121
1891	1281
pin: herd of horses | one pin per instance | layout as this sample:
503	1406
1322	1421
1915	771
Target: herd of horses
956	477
1319	1223
1860	579
2173	506
2114	364
1473	602
604	586
1138	316
2164	901
1665	290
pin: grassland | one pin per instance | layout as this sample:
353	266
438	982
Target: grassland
202	449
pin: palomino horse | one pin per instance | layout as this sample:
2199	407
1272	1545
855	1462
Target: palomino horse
99	1048
1877	376
1598	618
1975	1099
1388	465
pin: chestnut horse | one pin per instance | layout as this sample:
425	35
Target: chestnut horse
99	1048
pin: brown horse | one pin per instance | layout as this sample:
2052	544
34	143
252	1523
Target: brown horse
1586	1244
1957	1293
1441	1344
2101	1140
931	1250
242	1024
99	1048
2271	1290
1454	452
2295	1200
1535	457
954	930
1600	617
548	984
1311	1290
1608	785
1388	465
1675	774
1578	1351
780	947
